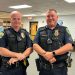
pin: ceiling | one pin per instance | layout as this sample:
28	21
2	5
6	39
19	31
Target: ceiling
38	7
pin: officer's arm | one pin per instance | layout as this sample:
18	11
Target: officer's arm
39	50
27	52
42	52
68	43
7	53
64	49
29	49
36	45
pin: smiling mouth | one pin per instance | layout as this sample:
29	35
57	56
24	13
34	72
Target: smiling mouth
51	21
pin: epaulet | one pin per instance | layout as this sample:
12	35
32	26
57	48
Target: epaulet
62	27
7	31
42	28
23	30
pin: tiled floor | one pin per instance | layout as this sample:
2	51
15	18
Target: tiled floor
32	67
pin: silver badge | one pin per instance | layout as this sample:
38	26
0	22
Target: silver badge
22	35
56	33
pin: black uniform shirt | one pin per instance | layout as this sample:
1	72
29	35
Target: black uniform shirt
61	32
15	41
51	40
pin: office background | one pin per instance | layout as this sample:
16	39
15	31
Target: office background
36	12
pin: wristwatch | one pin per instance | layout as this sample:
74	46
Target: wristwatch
54	54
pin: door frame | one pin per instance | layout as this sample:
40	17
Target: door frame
30	23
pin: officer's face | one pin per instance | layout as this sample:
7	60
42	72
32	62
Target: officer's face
16	20
51	18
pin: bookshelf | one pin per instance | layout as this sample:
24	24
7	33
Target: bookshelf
6	24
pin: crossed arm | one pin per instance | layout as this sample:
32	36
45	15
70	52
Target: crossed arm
7	53
49	55
14	55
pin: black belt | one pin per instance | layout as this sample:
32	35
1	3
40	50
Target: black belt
7	66
50	66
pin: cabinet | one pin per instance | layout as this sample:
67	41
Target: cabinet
6	24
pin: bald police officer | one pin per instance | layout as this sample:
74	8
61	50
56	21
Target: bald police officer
18	41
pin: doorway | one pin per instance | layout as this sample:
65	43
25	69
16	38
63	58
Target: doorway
33	29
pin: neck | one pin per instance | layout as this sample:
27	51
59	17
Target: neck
16	28
52	26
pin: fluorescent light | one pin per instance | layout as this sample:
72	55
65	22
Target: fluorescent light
70	1
30	15
20	6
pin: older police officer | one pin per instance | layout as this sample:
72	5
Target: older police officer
52	42
16	40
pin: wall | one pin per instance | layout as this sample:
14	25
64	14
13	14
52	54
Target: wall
41	22
67	21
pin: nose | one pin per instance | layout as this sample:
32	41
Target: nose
16	20
50	17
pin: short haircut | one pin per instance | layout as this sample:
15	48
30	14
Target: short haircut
52	10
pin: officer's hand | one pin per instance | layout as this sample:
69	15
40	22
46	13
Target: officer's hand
12	61
52	60
48	55
20	56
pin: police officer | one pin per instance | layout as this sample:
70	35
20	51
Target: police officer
52	42
18	41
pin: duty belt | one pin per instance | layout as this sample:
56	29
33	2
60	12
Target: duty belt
45	66
7	66
51	65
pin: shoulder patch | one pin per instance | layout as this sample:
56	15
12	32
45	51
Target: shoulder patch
7	31
23	32
67	30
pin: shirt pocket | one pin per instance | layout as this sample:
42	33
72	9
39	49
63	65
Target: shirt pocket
43	39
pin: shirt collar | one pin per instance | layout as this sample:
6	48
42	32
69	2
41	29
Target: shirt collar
47	27
15	31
